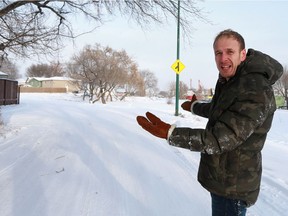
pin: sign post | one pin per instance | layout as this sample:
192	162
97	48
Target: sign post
178	62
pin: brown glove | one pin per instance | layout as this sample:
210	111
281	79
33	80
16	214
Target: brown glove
154	125
187	104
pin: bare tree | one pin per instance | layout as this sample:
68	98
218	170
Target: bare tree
10	68
102	70
86	67
150	82
45	70
38	70
281	86
183	89
135	84
57	69
123	74
38	26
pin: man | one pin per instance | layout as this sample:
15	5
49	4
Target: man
239	118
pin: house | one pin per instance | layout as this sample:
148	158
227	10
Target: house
3	75
53	82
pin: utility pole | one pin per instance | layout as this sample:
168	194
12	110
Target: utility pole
178	57
177	66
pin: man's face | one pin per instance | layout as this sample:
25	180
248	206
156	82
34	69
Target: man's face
228	56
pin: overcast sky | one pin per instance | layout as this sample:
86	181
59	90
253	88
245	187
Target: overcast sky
263	24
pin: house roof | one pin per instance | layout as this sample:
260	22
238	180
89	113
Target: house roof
2	73
49	78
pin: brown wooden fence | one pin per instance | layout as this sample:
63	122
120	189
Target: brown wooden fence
42	90
9	92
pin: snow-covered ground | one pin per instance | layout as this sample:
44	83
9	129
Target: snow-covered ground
60	156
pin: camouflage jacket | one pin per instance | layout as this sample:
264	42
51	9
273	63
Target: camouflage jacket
239	117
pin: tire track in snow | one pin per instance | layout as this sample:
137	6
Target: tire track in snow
18	158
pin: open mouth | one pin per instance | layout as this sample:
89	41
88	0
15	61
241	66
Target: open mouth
226	67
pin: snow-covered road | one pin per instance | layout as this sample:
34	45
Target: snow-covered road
60	156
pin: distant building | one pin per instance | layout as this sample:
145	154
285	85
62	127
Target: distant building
189	94
53	82
3	75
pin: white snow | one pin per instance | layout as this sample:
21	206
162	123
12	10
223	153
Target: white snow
61	156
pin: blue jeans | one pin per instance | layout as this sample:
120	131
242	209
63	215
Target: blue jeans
222	206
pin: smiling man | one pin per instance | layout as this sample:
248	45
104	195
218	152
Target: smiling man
239	118
229	50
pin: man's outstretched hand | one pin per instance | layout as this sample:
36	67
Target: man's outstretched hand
154	125
187	104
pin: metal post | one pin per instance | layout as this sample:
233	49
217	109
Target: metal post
178	57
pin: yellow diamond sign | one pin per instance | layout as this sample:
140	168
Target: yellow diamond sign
178	66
